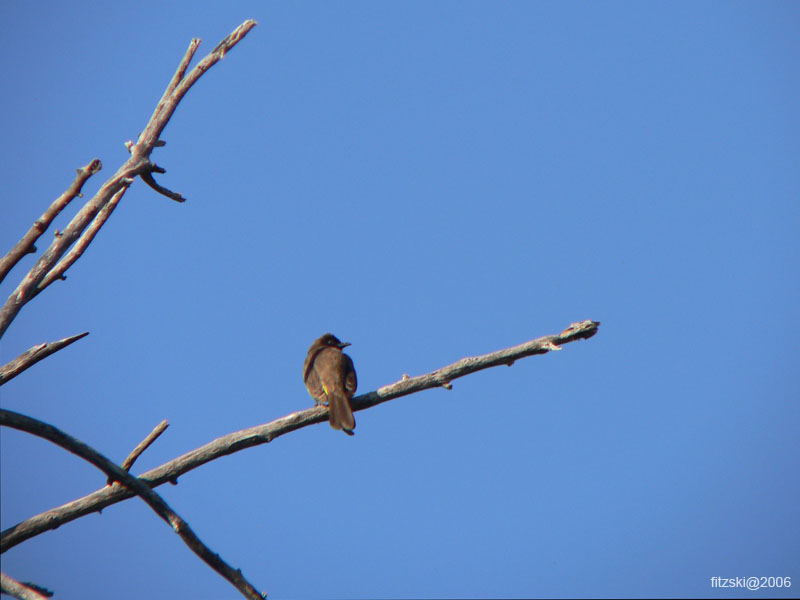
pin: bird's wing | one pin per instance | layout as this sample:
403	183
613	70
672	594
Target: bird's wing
350	380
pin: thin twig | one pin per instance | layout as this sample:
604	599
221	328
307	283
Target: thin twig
14	588
149	180
261	434
137	164
31	357
143	445
26	244
137	486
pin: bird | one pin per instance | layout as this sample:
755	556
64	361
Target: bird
330	378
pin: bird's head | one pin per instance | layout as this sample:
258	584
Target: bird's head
331	340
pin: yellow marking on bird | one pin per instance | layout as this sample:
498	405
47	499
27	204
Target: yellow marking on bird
325	389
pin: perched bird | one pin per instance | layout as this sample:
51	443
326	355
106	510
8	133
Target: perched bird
330	378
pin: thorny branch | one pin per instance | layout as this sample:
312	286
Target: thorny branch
138	487
262	434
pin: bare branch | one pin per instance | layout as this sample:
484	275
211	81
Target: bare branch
138	164
26	244
137	486
23	591
149	180
55	261
177	77
178	87
143	445
262	434
442	377
83	242
61	243
34	355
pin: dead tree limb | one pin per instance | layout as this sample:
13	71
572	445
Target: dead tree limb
67	247
83	242
23	591
137	165
31	357
137	486
262	434
143	445
26	244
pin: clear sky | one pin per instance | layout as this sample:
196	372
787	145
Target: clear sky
427	181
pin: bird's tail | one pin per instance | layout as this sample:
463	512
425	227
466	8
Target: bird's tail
341	414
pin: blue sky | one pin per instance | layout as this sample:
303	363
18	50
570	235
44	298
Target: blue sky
427	181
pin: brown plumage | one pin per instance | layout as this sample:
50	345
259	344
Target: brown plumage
330	378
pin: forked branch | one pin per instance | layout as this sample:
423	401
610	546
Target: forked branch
86	238
136	486
67	247
26	244
49	268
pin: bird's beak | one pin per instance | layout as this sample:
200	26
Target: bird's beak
343	345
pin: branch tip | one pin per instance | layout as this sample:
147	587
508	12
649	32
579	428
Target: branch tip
142	446
31	357
23	589
94	166
38	588
147	177
582	330
237	34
